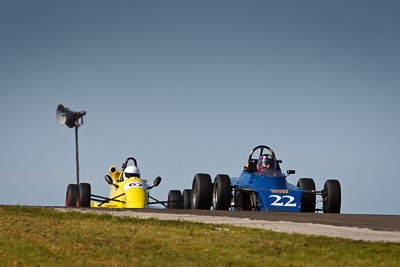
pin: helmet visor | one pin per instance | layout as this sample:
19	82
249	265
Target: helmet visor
131	174
267	163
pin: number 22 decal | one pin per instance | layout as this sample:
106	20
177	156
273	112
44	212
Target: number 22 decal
280	203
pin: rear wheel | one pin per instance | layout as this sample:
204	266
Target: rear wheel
332	196
85	192
307	200
71	198
174	199
222	192
202	191
187	199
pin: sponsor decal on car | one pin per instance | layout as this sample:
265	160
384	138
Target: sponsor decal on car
279	191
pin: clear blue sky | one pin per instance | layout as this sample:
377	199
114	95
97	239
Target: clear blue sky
193	86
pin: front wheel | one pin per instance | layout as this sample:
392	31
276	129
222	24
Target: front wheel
187	199
332	197
222	192
174	199
202	191
307	199
71	198
85	192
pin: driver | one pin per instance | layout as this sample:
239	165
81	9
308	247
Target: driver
131	171
266	161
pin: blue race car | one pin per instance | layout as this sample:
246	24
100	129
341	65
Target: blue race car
263	187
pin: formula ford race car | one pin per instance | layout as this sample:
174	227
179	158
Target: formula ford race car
260	187
127	190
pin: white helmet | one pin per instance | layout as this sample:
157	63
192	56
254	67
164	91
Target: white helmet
131	171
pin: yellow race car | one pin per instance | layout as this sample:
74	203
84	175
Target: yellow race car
127	190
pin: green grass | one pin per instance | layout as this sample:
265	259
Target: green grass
44	237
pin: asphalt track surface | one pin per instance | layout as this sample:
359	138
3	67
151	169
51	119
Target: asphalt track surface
384	228
375	222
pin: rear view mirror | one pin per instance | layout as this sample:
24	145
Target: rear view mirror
157	181
289	172
108	179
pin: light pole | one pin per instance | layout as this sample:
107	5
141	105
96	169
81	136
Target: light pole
71	119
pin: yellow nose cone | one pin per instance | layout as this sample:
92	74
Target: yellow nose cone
135	197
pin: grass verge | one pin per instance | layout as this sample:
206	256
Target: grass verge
45	237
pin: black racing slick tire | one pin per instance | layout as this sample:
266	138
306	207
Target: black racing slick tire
222	192
187	199
175	199
202	191
308	200
332	197
85	193
71	198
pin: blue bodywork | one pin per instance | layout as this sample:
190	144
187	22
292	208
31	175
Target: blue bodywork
274	192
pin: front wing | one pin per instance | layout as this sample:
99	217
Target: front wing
279	199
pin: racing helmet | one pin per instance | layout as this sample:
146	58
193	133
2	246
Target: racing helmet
131	171
267	161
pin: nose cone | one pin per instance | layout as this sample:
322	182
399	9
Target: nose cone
135	195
